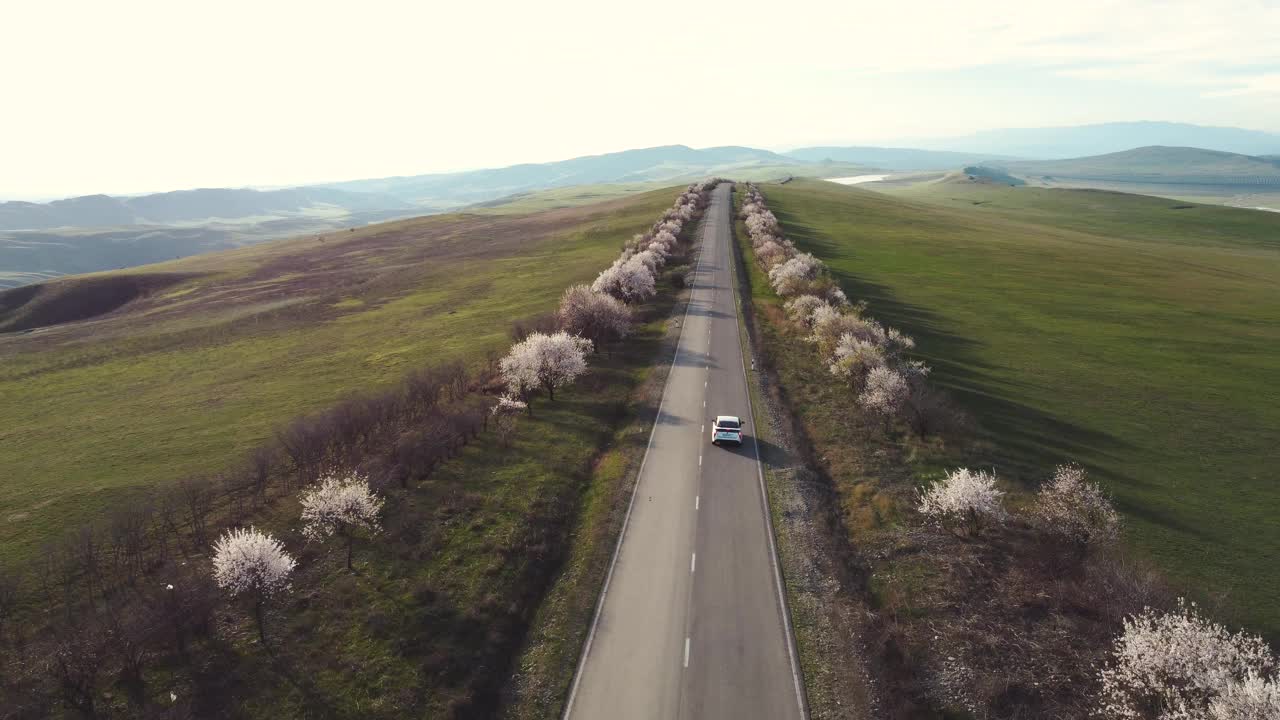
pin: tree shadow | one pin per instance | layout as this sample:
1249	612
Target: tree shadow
1027	440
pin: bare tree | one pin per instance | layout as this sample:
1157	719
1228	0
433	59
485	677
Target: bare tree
75	664
9	588
600	318
261	460
197	501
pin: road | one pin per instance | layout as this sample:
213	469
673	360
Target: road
692	623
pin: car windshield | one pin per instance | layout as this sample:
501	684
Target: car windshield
728	424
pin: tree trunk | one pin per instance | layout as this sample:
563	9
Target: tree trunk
257	614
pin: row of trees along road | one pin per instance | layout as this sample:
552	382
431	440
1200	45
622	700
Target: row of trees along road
595	316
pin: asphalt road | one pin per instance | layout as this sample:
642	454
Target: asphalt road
692	623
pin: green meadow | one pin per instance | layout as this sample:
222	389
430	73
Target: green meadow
1137	336
185	381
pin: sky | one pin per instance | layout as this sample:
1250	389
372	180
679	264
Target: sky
135	96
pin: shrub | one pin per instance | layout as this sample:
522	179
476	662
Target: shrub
505	417
1071	507
885	393
854	359
964	497
1180	665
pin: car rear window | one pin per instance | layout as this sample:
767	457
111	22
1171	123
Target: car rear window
728	424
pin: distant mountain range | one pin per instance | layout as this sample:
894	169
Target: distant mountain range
98	232
667	163
1160	165
902	159
1084	140
189	206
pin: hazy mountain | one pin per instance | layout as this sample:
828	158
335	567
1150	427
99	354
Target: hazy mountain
28	256
1085	140
888	158
1158	164
666	163
187	206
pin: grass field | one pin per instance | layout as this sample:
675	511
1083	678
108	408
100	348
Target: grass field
184	380
1137	336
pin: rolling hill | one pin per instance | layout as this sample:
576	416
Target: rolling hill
886	158
1103	138
1159	164
668	163
187	207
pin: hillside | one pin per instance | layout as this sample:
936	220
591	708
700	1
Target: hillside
1158	164
1102	138
230	344
886	158
668	163
1134	335
187	206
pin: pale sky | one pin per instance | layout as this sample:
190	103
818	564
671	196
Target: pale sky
136	96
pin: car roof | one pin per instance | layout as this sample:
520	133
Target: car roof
728	417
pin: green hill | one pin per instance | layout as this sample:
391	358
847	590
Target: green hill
1158	164
1138	336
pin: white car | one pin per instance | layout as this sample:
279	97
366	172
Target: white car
726	429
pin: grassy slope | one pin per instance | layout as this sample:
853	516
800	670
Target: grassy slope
1175	163
435	612
1108	329
98	411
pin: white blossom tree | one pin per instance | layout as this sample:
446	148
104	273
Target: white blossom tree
1071	507
1256	698
599	317
792	276
1180	665
854	359
770	254
343	507
964	497
544	362
252	564
885	392
506	415
831	324
626	280
802	308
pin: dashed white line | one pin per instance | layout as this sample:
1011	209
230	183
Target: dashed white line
686	651
696	499
699	460
693	563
